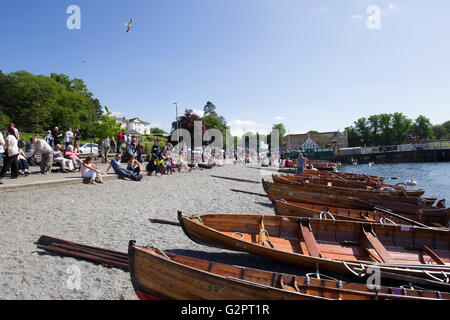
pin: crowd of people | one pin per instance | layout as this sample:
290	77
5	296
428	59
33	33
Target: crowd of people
62	149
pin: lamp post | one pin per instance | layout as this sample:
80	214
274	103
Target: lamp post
178	122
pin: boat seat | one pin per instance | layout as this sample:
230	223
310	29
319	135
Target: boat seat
310	241
433	255
376	244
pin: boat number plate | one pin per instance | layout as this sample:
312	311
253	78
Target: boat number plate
213	289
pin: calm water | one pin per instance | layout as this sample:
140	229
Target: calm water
434	178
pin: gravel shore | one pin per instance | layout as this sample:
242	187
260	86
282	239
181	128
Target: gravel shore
108	216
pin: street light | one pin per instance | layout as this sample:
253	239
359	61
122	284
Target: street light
178	123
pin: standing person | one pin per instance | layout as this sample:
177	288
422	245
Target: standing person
68	138
11	145
117	167
77	138
49	138
113	144
2	148
40	146
119	141
139	151
107	146
91	171
128	140
301	164
57	135
13	127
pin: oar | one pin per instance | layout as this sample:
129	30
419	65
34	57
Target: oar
389	212
165	222
252	193
236	179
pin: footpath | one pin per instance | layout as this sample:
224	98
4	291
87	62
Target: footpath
37	180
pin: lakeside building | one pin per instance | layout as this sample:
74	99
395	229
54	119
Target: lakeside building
314	142
135	125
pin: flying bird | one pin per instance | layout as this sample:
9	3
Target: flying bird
128	25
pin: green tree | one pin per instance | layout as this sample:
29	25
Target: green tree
4	121
281	130
374	123
157	131
353	137
209	108
363	129
400	127
423	127
106	127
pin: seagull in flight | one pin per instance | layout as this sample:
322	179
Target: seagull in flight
128	25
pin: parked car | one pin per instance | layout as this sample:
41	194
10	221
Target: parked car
88	148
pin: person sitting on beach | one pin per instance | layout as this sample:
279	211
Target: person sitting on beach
152	166
66	164
22	160
40	146
91	171
134	165
182	164
72	155
117	167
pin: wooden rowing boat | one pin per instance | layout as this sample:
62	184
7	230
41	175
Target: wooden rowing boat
302	209
421	211
401	252
390	195
159	275
361	185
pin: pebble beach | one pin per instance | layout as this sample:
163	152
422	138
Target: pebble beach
108	216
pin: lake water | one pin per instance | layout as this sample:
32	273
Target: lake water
433	177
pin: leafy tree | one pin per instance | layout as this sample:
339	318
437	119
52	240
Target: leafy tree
363	130
281	130
423	128
400	127
187	121
353	137
386	135
4	121
209	108
374	123
106	127
157	131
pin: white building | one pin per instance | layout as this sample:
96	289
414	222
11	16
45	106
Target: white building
135	124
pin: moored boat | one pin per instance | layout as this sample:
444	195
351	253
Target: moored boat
405	253
186	278
329	188
303	209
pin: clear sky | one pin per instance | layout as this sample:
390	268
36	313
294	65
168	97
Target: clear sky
313	65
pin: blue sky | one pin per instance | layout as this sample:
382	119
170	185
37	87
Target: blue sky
313	65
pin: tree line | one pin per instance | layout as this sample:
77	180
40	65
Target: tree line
393	129
212	120
37	103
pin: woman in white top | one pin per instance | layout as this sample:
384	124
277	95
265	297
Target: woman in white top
13	153
2	149
90	170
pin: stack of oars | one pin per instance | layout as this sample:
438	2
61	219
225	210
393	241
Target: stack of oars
75	250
